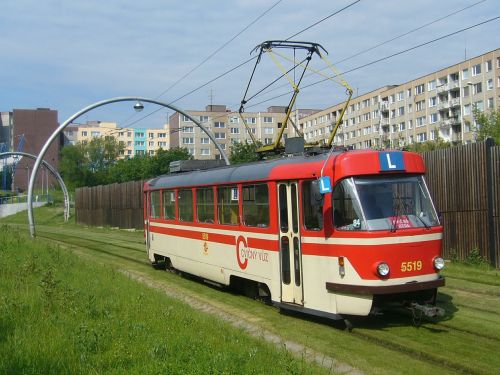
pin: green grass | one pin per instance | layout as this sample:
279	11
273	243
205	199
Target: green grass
61	314
466	340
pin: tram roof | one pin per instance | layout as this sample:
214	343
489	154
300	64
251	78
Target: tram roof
291	167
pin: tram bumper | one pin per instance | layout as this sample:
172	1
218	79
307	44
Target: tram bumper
412	286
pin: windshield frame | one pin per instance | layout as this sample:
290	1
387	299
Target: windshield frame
383	202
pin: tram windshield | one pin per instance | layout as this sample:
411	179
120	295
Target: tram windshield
383	203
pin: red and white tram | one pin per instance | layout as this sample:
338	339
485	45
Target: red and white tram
372	237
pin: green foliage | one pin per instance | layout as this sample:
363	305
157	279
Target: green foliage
488	125
244	152
97	163
437	144
475	258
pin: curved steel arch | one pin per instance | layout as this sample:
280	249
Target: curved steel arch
85	110
51	170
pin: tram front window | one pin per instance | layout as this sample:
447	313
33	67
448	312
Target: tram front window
383	203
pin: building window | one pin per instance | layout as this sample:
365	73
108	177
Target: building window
95	134
432	134
140	143
186	119
255	205
465	74
431	85
420	121
401	111
235	131
251	120
489	84
490	103
477	88
151	143
204	141
234	120
476	69
479	106
139	135
219	124
401	126
433	118
162	144
188	141
268	130
433	101
420	105
220	135
204	119
268	120
467	110
419	89
188	129
488	66
162	135
151	135
84	134
422	137
205	151
191	151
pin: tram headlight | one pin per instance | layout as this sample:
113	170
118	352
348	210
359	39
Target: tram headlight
383	269
438	263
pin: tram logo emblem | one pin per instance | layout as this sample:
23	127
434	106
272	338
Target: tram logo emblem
244	253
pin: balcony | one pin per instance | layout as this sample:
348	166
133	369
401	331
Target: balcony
443	105
455	102
384	121
384	106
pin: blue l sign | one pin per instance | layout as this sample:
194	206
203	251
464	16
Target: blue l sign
325	186
391	161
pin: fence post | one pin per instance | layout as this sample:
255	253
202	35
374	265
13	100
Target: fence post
489	188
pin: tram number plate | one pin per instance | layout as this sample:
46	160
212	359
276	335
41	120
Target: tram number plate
415	265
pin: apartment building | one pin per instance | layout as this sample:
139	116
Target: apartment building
439	104
135	141
228	128
27	130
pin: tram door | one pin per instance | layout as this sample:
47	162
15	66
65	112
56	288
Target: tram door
290	251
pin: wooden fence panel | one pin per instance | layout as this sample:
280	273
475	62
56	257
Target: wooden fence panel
114	205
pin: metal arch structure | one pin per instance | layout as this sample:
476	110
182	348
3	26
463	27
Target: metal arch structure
51	170
87	109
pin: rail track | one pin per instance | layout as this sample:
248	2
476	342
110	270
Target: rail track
469	329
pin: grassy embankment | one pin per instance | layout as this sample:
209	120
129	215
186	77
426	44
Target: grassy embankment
61	314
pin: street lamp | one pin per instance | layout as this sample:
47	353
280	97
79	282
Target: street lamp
138	106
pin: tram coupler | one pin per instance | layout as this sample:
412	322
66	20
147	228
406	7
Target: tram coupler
428	311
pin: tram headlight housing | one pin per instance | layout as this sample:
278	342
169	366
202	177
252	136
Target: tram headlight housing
383	269
438	263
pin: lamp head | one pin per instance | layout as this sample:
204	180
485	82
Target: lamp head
138	106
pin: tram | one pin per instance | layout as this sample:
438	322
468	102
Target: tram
332	234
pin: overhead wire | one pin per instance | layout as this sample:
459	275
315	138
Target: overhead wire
245	62
204	61
384	58
388	41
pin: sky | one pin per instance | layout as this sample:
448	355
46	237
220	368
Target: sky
67	55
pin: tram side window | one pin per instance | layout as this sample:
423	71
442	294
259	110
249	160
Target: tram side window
205	205
227	205
185	201
312	207
169	204
154	205
256	205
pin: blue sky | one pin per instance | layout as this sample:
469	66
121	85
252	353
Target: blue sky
66	55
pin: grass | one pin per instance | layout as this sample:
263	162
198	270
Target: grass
466	340
61	314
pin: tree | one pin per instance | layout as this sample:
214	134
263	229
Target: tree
487	125
437	144
73	166
244	152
